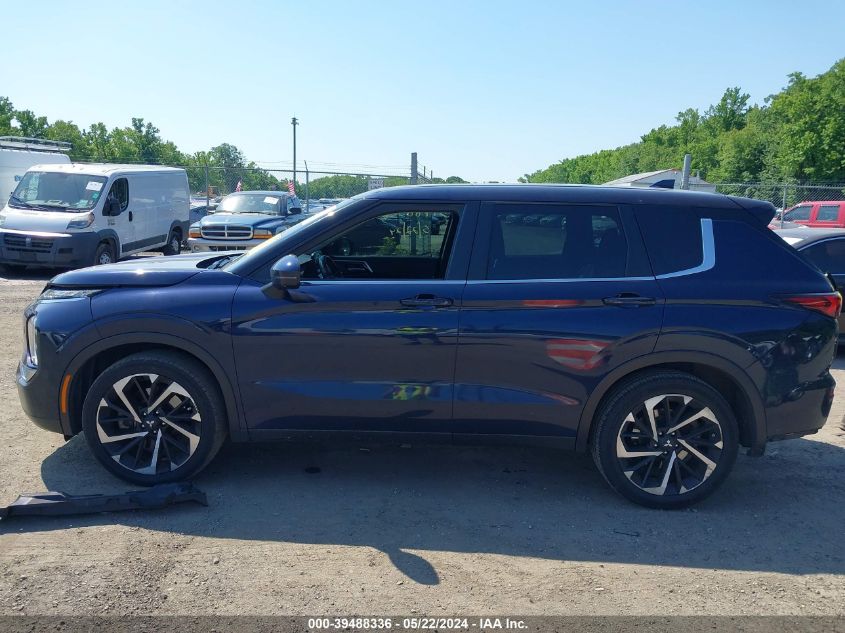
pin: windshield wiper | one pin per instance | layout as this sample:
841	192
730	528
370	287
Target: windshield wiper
38	207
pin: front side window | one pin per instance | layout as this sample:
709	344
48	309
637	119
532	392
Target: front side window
120	191
798	214
57	191
557	242
399	244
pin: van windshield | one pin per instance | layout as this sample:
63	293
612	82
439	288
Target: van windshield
57	191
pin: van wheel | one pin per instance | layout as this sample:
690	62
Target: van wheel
665	439
154	417
174	246
104	254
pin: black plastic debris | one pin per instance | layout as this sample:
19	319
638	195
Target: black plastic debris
61	504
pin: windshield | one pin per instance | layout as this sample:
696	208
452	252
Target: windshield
257	252
250	203
57	191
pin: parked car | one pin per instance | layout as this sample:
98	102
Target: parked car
243	220
688	330
826	249
70	215
826	213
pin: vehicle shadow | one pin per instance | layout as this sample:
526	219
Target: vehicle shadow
783	512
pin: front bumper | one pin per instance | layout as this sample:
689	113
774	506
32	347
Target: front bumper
39	399
32	248
201	245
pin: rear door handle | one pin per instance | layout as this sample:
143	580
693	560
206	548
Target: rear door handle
629	300
428	301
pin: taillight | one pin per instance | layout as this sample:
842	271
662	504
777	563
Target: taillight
828	303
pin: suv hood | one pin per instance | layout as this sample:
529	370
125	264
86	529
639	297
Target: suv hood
146	271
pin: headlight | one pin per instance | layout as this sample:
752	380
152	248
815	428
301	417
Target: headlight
31	342
194	231
2	219
81	223
262	234
58	293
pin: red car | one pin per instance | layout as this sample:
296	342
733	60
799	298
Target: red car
828	214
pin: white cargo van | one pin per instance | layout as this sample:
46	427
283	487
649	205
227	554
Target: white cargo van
17	154
87	214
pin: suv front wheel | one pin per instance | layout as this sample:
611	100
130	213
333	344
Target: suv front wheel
665	439
154	417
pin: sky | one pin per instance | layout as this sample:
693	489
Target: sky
486	90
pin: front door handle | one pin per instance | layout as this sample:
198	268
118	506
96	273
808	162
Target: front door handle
629	300
427	301
130	216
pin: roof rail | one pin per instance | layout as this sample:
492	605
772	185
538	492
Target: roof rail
34	144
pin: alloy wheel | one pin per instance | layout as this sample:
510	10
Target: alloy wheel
148	424
669	444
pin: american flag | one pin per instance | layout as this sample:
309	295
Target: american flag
291	190
239	186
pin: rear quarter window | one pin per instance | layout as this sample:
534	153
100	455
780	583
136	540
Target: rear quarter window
672	236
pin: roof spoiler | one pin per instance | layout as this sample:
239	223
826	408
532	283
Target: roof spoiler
761	210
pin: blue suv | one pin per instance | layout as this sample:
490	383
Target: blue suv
659	330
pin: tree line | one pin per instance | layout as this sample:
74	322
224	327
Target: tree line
141	142
796	136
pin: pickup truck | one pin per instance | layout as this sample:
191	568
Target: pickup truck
243	220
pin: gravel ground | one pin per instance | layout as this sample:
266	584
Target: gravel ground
417	530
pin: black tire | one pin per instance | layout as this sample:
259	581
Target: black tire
179	456
630	459
104	254
174	244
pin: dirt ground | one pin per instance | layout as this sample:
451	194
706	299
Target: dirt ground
433	531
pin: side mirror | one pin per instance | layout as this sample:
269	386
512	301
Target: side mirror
286	273
295	211
112	207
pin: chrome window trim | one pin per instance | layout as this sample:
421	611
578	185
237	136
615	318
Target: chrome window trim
708	261
708	254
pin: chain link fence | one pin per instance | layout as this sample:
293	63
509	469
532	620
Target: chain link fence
782	195
212	183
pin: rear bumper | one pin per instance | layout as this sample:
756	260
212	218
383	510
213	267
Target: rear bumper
200	245
31	248
802	411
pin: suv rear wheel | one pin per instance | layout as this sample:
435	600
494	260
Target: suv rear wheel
154	417
665	439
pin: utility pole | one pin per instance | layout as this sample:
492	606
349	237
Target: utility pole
413	168
685	172
294	123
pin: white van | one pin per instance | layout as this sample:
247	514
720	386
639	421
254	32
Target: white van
17	154
82	215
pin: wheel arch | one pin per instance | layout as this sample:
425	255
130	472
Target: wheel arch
730	380
91	362
108	235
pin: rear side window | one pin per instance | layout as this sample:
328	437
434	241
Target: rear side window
557	242
828	213
672	237
798	213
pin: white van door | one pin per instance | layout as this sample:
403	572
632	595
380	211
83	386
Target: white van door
124	224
